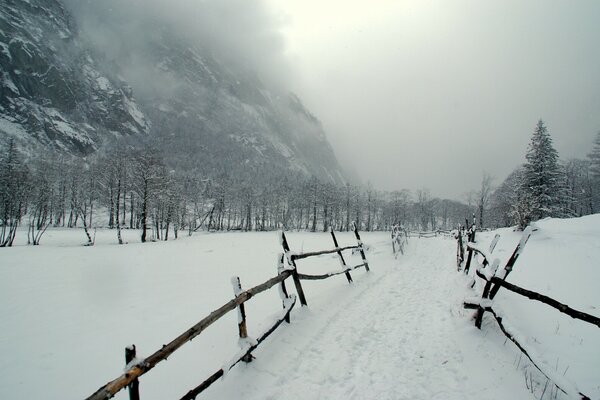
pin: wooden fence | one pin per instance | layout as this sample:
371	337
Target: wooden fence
427	234
495	278
399	239
286	268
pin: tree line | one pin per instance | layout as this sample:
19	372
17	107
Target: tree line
131	187
135	187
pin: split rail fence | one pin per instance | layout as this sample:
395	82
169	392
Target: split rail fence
495	278
286	268
400	237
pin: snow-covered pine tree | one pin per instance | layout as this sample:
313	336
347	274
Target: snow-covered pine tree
543	177
594	157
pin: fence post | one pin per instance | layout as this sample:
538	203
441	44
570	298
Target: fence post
242	328
486	294
513	259
360	246
295	277
134	387
470	238
282	289
342	261
460	252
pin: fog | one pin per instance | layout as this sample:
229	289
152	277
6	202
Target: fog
244	35
412	94
432	93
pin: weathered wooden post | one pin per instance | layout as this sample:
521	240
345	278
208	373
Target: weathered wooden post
283	293
242	328
485	295
471	238
342	261
134	386
295	277
460	251
360	246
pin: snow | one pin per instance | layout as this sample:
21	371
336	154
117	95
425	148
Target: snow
135	112
397	332
66	129
561	261
12	128
103	83
8	83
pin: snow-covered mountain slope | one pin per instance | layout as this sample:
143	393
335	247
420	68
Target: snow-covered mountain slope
76	75
53	92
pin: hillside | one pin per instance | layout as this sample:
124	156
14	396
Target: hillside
75	77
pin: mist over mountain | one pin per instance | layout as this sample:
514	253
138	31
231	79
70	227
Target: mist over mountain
202	81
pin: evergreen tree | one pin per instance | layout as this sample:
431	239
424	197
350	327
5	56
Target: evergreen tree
594	157
542	177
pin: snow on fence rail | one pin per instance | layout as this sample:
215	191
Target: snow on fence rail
494	280
137	367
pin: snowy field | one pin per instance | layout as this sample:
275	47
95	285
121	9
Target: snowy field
398	332
561	260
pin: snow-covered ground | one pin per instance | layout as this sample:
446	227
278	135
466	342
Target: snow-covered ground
397	332
561	260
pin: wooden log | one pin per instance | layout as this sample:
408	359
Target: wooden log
242	327
286	250
329	274
360	246
563	308
191	395
342	261
111	388
301	256
134	386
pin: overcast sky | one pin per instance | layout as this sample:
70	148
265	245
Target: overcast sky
429	94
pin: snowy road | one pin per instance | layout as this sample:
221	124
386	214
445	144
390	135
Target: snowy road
396	333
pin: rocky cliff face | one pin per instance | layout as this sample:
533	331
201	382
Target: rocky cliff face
53	92
59	88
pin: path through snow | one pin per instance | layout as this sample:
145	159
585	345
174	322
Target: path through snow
396	333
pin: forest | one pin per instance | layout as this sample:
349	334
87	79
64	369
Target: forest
135	187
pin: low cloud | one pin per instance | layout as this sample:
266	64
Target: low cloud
242	34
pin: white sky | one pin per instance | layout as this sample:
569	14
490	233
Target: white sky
413	93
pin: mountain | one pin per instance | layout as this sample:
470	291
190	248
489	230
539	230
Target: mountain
52	91
74	79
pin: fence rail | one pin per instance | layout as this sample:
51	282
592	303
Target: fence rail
494	280
136	368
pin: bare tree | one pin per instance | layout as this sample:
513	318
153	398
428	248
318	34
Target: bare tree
483	197
146	176
14	177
